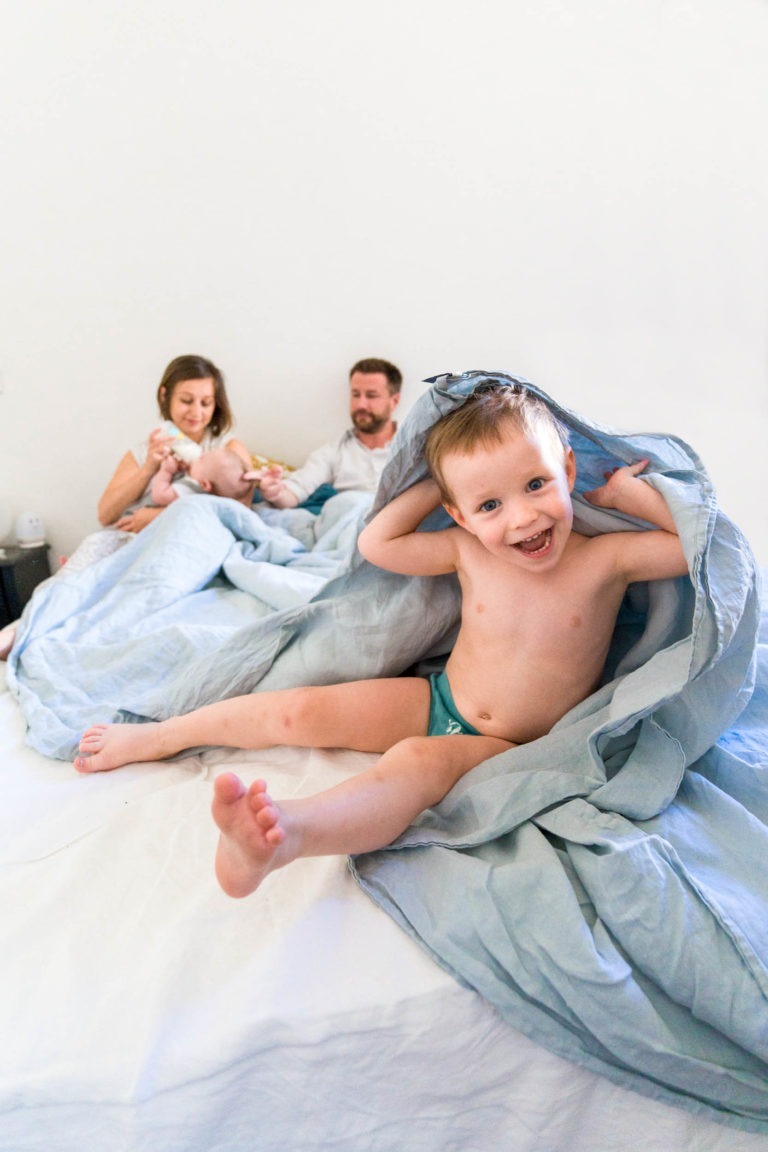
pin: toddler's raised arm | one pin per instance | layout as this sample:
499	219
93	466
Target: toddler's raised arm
651	555
392	541
626	492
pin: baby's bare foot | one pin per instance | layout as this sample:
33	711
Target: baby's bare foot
252	841
107	746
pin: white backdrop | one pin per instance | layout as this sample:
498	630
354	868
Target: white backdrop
575	192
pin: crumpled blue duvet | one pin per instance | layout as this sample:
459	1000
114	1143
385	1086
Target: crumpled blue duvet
605	887
214	600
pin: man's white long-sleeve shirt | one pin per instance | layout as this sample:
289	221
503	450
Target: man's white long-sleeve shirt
345	464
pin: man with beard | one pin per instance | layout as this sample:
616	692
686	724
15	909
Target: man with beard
355	460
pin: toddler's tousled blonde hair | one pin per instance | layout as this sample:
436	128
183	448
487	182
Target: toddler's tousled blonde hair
481	420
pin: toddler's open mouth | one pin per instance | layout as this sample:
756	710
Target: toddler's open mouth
536	545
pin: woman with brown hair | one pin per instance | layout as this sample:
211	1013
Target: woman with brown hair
192	396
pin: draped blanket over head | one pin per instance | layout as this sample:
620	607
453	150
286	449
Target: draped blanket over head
605	886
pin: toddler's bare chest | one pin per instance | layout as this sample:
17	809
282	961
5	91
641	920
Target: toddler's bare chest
564	620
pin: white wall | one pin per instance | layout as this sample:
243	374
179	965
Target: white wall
576	192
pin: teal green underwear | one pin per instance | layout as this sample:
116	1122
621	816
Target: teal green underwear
444	719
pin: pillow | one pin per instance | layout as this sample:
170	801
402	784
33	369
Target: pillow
260	461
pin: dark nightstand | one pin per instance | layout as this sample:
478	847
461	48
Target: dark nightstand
21	570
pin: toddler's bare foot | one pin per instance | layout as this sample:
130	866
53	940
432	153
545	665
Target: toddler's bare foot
252	841
106	746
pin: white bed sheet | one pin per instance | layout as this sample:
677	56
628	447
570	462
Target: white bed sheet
141	1009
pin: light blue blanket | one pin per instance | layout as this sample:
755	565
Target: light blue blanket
214	600
604	887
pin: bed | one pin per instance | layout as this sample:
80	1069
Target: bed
143	1009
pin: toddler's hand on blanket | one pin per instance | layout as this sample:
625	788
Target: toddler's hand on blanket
619	484
625	491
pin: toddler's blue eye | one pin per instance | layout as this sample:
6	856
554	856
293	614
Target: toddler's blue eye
535	485
489	505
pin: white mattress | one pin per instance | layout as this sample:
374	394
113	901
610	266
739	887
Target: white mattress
142	1009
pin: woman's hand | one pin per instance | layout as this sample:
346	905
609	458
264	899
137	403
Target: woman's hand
158	448
135	521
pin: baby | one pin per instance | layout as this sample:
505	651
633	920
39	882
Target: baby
219	472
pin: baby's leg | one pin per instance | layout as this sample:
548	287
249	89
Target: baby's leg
364	813
366	715
7	637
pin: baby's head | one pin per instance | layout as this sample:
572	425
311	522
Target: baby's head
221	472
482	422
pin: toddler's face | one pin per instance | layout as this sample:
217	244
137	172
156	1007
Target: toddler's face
515	497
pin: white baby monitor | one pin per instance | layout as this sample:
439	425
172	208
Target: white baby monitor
30	530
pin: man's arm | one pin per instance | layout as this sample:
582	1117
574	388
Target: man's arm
290	490
392	541
272	487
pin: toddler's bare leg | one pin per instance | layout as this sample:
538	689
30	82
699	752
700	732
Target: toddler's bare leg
364	813
367	715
